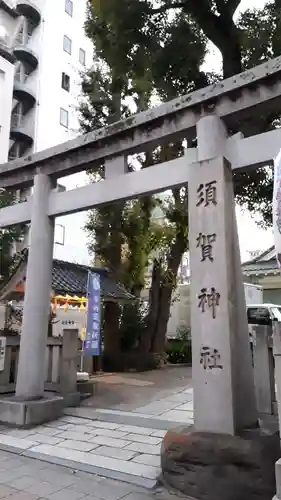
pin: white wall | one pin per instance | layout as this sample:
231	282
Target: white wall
53	61
6	97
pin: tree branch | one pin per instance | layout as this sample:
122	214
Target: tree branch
232	5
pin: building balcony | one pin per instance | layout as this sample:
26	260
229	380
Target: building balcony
6	53
24	94
30	11
7	7
21	130
24	54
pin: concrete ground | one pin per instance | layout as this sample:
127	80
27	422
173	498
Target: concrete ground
23	478
127	391
117	434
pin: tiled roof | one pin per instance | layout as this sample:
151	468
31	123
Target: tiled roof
261	264
69	278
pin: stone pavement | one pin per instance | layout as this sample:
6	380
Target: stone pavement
128	391
23	478
111	443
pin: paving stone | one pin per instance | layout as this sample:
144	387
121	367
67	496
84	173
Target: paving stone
75	436
107	441
19	433
159	434
108	451
43	488
4	456
103	425
62	426
77	445
122	413
90	497
8	476
137	430
6	491
144	448
56	423
23	495
157	408
176	416
21	483
139	438
181	397
75	420
40	438
186	407
137	496
66	494
22	444
97	431
87	487
63	477
13	462
147	459
115	491
48	431
99	461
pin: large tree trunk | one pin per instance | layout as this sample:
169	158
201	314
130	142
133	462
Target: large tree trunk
162	286
111	328
220	29
154	298
158	339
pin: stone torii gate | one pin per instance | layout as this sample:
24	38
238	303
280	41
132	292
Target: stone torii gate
222	372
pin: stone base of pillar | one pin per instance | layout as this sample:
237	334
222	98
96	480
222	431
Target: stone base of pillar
25	414
278	479
72	399
220	466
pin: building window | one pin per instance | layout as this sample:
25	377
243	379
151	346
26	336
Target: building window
65	82
59	234
69	7
82	56
67	44
64	117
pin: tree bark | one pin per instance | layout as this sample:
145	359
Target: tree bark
158	339
111	328
154	297
218	27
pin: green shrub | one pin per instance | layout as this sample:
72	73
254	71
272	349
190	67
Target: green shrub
179	352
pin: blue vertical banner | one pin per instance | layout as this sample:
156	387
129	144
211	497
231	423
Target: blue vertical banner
93	329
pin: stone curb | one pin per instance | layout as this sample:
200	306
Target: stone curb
122	418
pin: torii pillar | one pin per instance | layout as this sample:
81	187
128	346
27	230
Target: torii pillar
31	405
223	381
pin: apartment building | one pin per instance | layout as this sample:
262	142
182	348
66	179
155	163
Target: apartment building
6	94
43	49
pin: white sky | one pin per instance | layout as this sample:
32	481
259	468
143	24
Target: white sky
250	236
